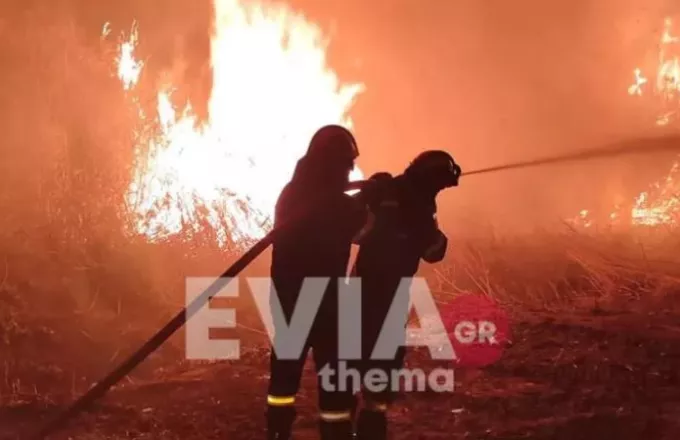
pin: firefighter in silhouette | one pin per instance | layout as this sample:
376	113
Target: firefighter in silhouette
318	246
402	230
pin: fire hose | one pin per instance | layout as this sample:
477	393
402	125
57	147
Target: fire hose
639	146
104	385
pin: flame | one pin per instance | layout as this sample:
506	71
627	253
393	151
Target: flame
583	219
668	75
272	90
129	69
667	84
636	89
660	205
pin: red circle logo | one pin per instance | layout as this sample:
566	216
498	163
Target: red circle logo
478	328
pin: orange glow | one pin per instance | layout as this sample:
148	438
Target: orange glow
129	68
636	89
660	205
272	90
667	86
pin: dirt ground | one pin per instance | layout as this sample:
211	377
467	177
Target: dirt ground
589	375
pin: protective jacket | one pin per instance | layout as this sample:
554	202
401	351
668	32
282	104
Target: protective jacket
403	230
316	246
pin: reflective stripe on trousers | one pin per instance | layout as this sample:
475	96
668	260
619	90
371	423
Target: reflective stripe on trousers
280	400
336	416
377	406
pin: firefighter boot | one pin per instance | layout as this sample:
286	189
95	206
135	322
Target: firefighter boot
280	422
372	425
354	413
340	430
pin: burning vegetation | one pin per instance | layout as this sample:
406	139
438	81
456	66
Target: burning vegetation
272	89
118	217
660	204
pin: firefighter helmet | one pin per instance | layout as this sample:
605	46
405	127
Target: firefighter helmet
381	176
434	168
334	144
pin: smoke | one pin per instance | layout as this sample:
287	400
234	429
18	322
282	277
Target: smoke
495	82
491	82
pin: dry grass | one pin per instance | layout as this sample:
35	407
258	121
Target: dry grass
68	317
554	270
76	293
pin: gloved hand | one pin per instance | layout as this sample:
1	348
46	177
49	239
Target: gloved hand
381	176
375	188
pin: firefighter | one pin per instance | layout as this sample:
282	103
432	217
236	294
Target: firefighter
318	246
402	230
